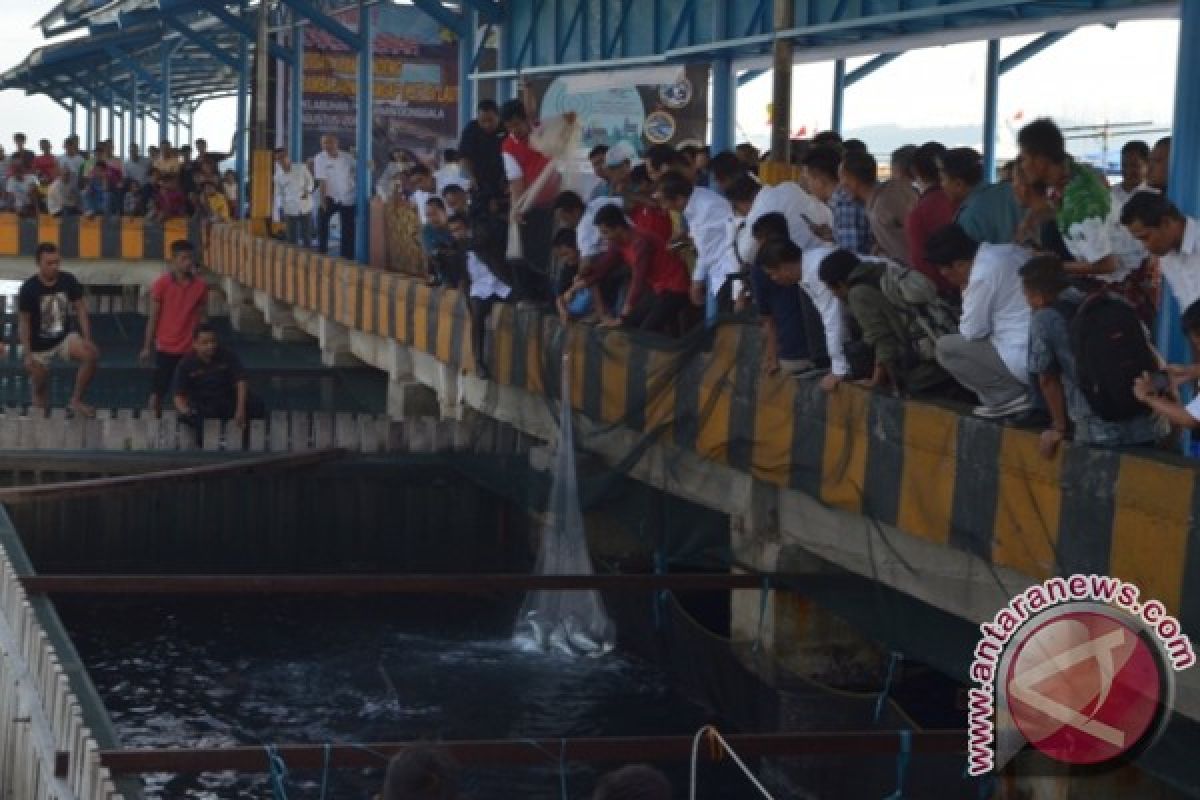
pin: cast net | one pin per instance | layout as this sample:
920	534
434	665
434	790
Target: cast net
569	621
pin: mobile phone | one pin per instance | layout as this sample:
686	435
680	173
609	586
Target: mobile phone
1161	382
678	244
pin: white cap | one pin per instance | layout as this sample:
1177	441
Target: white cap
619	153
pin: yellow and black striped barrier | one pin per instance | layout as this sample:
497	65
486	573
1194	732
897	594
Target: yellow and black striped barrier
956	481
125	238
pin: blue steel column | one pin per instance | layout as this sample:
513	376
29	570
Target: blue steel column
112	121
164	102
74	124
466	59
839	95
296	109
1184	181
724	112
505	87
243	105
991	101
92	111
366	105
135	111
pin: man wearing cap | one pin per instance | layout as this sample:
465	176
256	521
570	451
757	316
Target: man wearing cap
619	161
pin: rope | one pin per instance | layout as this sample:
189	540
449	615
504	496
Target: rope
716	744
764	594
902	759
278	772
887	684
325	770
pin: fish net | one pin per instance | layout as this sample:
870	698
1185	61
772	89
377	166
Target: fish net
569	621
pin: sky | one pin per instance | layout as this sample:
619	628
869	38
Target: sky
1095	75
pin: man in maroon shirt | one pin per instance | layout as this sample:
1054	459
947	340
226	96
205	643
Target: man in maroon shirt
658	282
933	211
177	307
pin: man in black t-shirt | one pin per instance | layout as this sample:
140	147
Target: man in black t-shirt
479	151
44	304
211	384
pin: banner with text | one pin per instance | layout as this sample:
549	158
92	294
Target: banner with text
415	86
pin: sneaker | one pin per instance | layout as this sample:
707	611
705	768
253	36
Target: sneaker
1018	405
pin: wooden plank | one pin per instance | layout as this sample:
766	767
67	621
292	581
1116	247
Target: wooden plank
258	435
368	434
322	424
278	433
301	436
345	428
212	435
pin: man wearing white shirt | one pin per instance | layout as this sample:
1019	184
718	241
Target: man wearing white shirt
136	167
989	355
710	225
752	200
335	177
293	191
451	172
1154	221
1135	161
787	265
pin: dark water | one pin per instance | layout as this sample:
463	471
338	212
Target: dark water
219	672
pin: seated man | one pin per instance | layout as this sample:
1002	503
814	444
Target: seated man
658	285
210	383
1053	359
44	303
989	355
899	331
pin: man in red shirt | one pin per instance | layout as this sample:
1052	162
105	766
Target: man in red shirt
45	166
178	301
658	279
523	165
934	210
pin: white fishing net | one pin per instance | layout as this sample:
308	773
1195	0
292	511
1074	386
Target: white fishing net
569	621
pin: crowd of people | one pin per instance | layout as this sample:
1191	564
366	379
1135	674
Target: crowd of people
163	183
1028	297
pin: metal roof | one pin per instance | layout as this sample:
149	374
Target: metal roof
126	37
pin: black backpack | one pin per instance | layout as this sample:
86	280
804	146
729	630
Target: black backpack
1111	350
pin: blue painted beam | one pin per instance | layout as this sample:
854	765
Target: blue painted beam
466	57
839	95
756	19
686	11
166	51
235	23
1183	184
619	32
528	44
480	46
240	153
203	42
134	67
362	155
442	16
991	102
750	75
1020	56
572	25
296	101
326	23
878	62
488	10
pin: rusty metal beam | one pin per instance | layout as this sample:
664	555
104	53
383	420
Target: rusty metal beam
526	752
378	584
